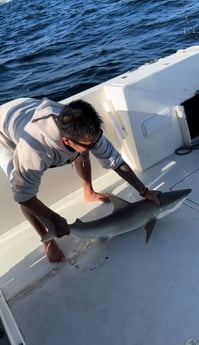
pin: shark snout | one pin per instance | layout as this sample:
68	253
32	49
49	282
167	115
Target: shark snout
174	197
182	193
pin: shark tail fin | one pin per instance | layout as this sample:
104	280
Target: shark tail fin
149	226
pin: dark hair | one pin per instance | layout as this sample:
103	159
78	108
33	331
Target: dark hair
78	119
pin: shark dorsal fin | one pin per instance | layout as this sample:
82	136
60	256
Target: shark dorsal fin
118	203
149	226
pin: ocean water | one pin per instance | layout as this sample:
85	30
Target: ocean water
58	48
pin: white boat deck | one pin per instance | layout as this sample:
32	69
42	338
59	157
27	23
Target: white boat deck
116	292
120	291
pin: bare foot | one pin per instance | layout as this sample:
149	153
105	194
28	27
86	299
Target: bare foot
93	196
53	252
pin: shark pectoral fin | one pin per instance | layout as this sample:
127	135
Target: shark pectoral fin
149	226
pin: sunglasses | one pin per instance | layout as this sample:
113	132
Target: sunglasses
88	146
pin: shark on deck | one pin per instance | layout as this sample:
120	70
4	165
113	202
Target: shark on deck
127	217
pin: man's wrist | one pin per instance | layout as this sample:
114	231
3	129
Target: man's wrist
57	218
144	192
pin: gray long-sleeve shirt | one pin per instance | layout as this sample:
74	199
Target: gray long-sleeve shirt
38	145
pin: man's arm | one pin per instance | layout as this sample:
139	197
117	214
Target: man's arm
128	175
42	218
83	168
109	157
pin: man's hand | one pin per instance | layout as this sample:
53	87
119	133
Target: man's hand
91	196
61	227
57	227
152	195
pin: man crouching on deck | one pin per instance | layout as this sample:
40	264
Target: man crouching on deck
39	134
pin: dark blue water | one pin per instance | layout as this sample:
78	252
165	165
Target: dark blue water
57	48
